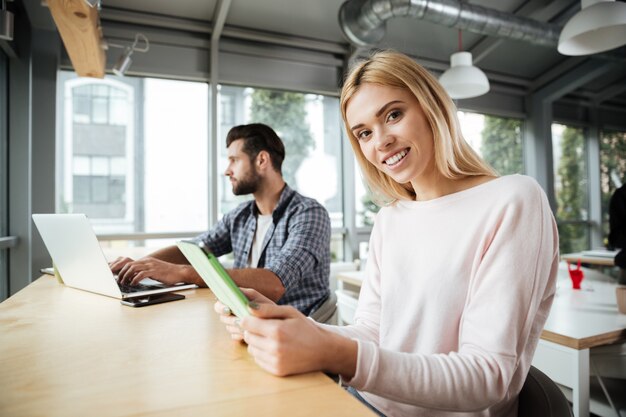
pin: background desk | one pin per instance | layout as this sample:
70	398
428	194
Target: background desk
65	352
578	322
587	259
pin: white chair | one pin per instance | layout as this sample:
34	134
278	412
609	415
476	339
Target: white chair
346	306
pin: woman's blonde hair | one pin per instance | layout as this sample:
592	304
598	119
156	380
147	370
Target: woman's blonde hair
454	158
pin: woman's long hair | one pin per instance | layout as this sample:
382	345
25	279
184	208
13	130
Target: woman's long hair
454	158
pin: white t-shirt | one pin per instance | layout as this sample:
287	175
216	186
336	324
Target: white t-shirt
263	223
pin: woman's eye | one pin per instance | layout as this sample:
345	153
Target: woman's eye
363	134
393	115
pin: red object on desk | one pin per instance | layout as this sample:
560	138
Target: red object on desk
576	275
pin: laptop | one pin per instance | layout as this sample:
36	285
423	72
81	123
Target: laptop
77	255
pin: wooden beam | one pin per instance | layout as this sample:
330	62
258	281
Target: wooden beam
79	27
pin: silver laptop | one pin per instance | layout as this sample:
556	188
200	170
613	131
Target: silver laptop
78	257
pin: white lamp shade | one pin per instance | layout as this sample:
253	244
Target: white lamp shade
463	80
598	27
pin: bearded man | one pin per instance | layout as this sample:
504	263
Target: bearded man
280	240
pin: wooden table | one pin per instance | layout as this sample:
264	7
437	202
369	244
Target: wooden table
65	352
579	321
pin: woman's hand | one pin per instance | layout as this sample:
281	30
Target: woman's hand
285	342
230	320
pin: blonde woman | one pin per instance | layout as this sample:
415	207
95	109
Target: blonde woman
461	271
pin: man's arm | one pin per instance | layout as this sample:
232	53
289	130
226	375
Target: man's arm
170	254
263	280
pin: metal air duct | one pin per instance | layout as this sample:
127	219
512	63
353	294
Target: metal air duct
364	21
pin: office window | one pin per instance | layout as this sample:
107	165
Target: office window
365	207
612	169
132	153
497	139
309	125
571	187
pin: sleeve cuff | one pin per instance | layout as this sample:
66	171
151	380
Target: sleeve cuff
367	363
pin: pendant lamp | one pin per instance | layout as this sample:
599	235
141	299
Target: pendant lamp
462	79
599	26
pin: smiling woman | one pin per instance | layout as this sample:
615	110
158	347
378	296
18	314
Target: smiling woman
424	340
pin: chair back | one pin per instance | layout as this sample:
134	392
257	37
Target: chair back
541	397
325	313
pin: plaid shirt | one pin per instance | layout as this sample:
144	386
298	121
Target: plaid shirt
296	247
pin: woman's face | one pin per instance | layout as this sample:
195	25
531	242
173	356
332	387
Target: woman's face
392	131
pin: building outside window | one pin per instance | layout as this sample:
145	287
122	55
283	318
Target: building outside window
132	153
99	135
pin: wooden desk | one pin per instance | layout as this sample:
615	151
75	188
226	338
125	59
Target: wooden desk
588	259
65	352
579	321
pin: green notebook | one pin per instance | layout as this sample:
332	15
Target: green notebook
215	277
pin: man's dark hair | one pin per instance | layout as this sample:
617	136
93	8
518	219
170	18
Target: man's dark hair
258	137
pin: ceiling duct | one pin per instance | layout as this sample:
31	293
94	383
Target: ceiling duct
364	21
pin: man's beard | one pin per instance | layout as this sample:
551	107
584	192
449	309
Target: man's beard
248	184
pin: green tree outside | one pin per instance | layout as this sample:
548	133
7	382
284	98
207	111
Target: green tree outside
501	144
285	112
571	192
612	159
369	209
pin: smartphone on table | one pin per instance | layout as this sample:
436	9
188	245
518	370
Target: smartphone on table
148	300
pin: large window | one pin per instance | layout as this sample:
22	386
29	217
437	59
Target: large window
132	153
612	169
310	128
571	187
497	139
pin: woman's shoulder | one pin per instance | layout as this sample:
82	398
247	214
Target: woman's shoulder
520	190
518	181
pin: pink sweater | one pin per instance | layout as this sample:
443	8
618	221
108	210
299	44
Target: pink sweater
456	294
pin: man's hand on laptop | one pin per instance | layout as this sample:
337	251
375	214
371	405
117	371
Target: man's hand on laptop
131	272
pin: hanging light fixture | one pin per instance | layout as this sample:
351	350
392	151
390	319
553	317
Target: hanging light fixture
462	79
6	23
124	61
599	26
